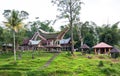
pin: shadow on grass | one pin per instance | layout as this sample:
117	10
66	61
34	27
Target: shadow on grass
6	55
10	73
49	73
13	66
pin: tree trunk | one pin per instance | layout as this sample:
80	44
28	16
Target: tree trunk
80	34
14	46
71	28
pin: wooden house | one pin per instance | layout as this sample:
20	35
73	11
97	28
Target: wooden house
50	40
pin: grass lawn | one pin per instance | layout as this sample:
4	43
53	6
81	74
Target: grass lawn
63	65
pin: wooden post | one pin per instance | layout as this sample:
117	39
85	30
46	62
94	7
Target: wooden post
109	51
99	51
95	51
105	50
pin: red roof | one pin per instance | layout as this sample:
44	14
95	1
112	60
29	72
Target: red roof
102	45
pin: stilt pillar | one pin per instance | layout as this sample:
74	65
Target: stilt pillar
105	50
109	51
95	51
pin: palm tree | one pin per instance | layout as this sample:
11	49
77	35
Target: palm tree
14	22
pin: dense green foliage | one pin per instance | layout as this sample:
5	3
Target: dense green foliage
93	34
110	34
63	65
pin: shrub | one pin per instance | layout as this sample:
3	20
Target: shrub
100	64
69	54
109	71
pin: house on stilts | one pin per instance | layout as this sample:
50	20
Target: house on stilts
49	40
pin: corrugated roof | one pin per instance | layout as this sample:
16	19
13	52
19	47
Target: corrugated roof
65	41
32	42
8	45
102	45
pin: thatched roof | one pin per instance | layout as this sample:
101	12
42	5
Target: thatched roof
115	50
84	46
102	45
9	45
53	35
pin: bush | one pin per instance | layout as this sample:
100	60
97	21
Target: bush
114	55
100	64
108	71
69	54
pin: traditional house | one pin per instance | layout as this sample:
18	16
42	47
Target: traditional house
65	43
50	40
85	47
102	48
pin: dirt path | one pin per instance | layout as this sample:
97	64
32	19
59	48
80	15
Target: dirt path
49	61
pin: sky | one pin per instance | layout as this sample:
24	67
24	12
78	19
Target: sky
98	11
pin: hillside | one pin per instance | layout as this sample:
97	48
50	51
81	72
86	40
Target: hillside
62	64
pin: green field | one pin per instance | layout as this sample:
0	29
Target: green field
62	65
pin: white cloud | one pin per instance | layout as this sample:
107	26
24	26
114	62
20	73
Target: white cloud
99	11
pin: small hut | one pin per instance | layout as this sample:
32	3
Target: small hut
115	52
85	48
102	48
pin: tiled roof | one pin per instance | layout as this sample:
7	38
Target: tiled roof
102	45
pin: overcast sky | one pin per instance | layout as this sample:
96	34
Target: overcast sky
98	11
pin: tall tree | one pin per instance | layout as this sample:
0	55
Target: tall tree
110	34
14	22
1	36
87	33
70	9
